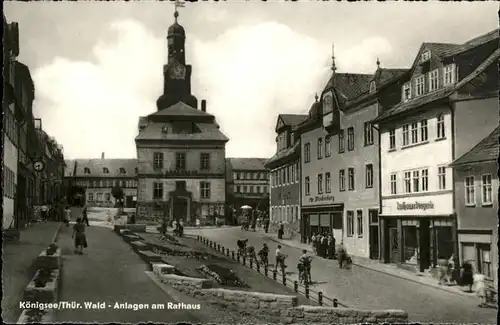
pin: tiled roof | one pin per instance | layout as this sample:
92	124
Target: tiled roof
441	49
384	76
440	94
486	150
208	131
283	154
477	41
181	109
247	163
293	119
97	166
350	85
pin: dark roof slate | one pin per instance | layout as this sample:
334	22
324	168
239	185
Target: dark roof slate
180	109
247	163
486	150
284	154
475	42
97	166
208	131
293	119
350	85
440	49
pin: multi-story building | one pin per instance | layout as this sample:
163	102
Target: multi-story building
248	183
10	137
180	149
340	159
284	170
476	205
99	176
449	95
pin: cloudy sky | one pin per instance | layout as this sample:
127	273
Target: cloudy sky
97	66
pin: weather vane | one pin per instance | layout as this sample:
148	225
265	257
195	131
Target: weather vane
178	4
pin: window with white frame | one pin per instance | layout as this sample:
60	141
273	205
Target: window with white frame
91	196
307	186
350	223
368	133
359	222
407	182
414	133
369	176
426	55
470	193
433	80
394	186
328	183
157	190
320	183
406	91
424	134
392	139
406	135
350	139
307	152
297	174
351	178
328	148
292	176
442	177
341	141
180	160
416	181
342	180
449	74
158	160
320	148
425	179
205	190
419	85
440	127
486	190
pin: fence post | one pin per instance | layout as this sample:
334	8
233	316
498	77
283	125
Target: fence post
335	302
198	238
284	279
266	270
232	254
296	286
227	251
320	298
307	290
275	274
218	247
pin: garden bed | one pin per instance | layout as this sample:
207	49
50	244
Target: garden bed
36	316
165	251
222	275
170	239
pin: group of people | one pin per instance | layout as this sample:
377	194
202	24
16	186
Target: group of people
325	246
255	219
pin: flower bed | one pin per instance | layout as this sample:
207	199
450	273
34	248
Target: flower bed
189	254
51	250
170	239
222	275
36	316
43	287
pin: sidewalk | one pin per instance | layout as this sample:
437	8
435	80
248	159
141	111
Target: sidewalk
376	265
18	264
111	272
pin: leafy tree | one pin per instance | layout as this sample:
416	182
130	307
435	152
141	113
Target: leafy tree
118	194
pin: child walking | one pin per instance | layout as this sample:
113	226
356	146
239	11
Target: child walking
79	236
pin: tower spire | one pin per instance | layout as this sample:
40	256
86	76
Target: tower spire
334	68
177	5
378	63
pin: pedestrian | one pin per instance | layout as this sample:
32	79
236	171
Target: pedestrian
467	278
79	236
331	247
266	225
280	260
85	216
44	209
317	242
324	244
67	215
480	288
281	231
198	222
313	241
442	270
452	267
341	254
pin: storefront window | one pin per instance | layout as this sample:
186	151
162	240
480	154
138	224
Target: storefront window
410	244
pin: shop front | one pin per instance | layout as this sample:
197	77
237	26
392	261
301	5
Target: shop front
416	232
322	219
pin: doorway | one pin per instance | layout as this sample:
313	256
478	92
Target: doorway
373	242
394	250
129	201
180	208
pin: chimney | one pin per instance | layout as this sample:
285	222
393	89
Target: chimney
102	155
203	105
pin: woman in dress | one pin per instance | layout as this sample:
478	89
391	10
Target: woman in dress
67	215
467	275
79	236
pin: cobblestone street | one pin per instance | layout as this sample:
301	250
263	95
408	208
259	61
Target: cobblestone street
109	271
364	288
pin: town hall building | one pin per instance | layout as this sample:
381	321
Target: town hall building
180	149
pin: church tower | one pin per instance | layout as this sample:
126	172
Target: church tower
176	74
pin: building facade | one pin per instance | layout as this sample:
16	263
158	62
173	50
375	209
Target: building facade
284	170
247	183
476	202
418	224
10	136
180	149
99	176
340	162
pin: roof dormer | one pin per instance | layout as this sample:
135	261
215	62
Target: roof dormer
86	170
426	56
105	170
122	170
373	87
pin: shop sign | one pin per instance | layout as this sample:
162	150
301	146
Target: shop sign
322	198
415	205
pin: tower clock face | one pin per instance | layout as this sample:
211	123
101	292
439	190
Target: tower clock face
178	72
